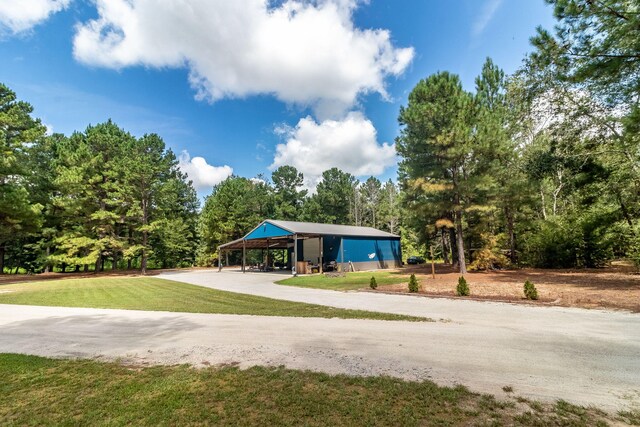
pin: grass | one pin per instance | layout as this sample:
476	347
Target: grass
145	293
40	391
349	282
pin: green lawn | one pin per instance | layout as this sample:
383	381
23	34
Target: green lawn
145	293
350	282
39	391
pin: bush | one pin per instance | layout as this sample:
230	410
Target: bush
413	284
634	251
489	256
589	239
372	283
530	291
463	287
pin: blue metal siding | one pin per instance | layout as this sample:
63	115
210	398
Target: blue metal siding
384	251
331	248
267	230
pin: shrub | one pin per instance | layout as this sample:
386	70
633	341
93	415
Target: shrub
530	291
413	284
463	287
372	283
634	251
489	256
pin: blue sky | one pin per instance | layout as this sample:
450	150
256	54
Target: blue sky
226	83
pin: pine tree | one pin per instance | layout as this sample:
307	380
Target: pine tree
441	168
19	216
288	195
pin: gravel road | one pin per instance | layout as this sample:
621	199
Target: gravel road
571	322
596	367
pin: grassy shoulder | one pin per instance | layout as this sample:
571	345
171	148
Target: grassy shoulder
39	391
348	282
146	293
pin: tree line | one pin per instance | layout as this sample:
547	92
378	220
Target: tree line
539	168
103	198
94	200
238	204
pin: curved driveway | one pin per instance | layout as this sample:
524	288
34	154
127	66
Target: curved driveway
584	356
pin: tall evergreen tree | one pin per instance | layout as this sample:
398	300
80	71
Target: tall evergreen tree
371	191
19	216
234	207
495	133
330	204
441	166
389	211
288	195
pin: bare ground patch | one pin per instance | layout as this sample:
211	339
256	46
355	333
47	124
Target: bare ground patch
614	287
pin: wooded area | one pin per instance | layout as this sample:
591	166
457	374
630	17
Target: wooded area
96	198
540	168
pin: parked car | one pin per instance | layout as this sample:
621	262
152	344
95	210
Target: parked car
415	260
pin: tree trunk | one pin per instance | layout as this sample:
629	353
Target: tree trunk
374	216
143	260
445	248
145	235
114	266
46	265
452	244
512	238
86	268
1	259
460	243
77	268
625	213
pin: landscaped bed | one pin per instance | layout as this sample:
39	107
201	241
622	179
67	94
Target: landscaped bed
146	293
40	391
614	287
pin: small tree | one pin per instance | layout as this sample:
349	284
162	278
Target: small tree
463	287
413	284
530	291
372	283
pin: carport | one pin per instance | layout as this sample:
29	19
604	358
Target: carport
315	245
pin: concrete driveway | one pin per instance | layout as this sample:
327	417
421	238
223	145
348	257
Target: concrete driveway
571	322
545	365
584	356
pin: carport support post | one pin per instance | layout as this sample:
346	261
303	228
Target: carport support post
320	241
219	259
226	258
244	255
294	264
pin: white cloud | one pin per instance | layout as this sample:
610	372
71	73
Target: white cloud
489	10
307	53
203	175
257	180
349	144
22	15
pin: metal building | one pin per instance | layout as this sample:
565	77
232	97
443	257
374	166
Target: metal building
318	247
